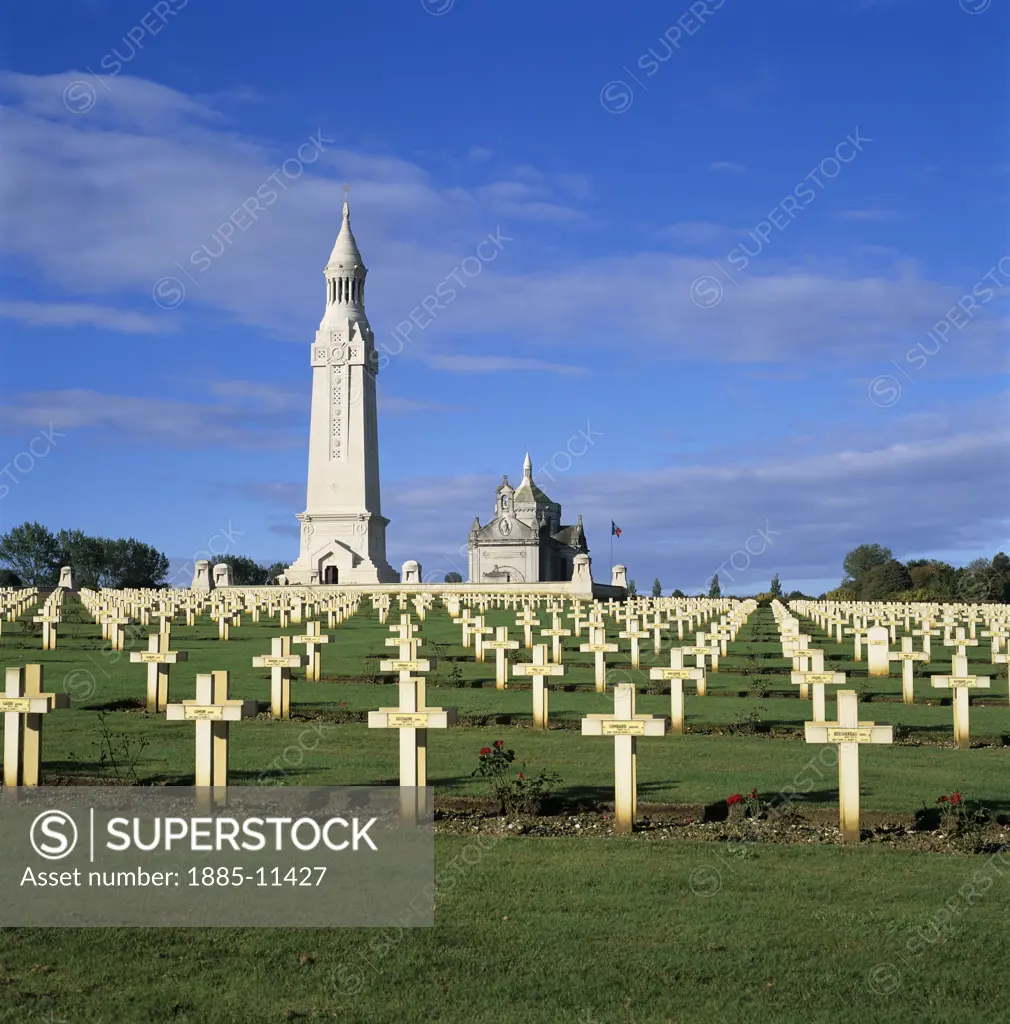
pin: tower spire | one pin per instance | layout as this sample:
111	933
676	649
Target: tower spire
345	270
528	468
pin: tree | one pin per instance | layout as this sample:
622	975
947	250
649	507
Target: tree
245	572
859	561
657	588
632	589
84	554
776	588
9	579
275	570
978	582
678	593
131	564
453	577
715	590
32	553
882	582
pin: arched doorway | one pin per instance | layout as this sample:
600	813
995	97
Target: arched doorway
330	575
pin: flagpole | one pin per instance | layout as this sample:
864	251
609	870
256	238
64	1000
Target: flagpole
612	545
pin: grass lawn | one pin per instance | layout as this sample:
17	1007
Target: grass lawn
540	929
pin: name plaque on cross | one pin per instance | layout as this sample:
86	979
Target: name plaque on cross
976	681
203	713
407	720
24	705
280	661
622	728
154	657
849	735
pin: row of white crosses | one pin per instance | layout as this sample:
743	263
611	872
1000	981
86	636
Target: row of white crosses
412	718
847	732
49	616
959	681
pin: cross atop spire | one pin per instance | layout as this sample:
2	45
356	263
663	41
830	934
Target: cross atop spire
528	467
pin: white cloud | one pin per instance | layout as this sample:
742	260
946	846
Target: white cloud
797	514
105	204
698	232
76	314
727	167
496	364
870	213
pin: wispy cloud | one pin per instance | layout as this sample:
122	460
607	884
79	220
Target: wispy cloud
727	167
497	364
873	213
79	314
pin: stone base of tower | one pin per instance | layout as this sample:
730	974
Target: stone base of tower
342	550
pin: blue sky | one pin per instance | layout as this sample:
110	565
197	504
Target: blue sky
725	234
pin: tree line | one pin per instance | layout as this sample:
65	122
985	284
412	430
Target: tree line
31	555
872	573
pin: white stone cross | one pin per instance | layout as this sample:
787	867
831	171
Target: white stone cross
211	712
599	647
527	621
49	620
702	649
907	657
159	660
848	732
960	682
413	718
500	645
23	704
675	675
625	726
556	632
312	638
807	659
539	670
960	641
818	680
926	633
634	634
280	661
478	630
858	634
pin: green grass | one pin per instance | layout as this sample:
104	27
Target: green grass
597	929
576	930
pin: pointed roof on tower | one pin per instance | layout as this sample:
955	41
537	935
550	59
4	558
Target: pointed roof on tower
528	491
345	250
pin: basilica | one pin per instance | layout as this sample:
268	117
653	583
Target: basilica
524	542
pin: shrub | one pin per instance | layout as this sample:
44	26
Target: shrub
517	792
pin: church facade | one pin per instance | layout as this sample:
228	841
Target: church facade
525	541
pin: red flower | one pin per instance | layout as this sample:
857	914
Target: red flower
521	776
955	798
754	793
343	702
941	800
485	750
499	743
734	799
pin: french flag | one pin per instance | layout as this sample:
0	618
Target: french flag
615	530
